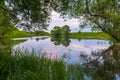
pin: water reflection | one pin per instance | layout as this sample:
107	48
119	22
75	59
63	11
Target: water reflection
61	41
72	49
105	65
99	59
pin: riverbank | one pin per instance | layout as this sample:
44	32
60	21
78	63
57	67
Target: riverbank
19	34
73	35
90	35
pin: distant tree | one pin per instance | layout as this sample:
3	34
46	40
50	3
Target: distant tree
66	30
61	31
79	31
56	32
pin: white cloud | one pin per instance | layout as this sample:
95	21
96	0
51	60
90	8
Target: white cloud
56	20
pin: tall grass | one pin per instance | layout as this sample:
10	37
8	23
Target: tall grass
31	67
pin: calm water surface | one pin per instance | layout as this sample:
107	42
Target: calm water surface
70	49
99	59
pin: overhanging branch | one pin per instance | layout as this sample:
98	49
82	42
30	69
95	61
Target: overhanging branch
91	14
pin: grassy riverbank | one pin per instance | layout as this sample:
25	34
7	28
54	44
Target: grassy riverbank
31	67
18	34
73	35
90	35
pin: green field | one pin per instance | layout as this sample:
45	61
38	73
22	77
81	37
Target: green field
90	35
18	34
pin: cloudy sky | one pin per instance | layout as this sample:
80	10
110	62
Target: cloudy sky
56	20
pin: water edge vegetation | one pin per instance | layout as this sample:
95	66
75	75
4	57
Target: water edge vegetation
31	67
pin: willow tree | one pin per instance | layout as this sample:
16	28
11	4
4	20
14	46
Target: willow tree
106	15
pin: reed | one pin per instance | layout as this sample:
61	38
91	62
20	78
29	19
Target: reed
31	67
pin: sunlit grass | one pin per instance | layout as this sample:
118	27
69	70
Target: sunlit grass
17	33
31	67
91	35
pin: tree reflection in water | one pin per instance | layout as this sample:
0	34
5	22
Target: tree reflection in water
101	65
59	40
104	65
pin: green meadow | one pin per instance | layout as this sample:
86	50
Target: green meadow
90	35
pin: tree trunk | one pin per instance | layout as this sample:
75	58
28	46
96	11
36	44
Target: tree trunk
3	35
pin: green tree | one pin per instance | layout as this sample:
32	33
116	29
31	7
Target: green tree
66	31
105	14
56	32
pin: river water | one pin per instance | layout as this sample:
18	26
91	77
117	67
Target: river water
96	57
69	49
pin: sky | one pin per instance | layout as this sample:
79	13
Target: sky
73	23
56	20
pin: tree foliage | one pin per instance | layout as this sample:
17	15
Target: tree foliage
105	14
5	24
56	32
31	14
60	35
66	31
34	14
61	31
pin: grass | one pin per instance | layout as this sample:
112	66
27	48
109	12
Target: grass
90	35
73	35
18	34
32	67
